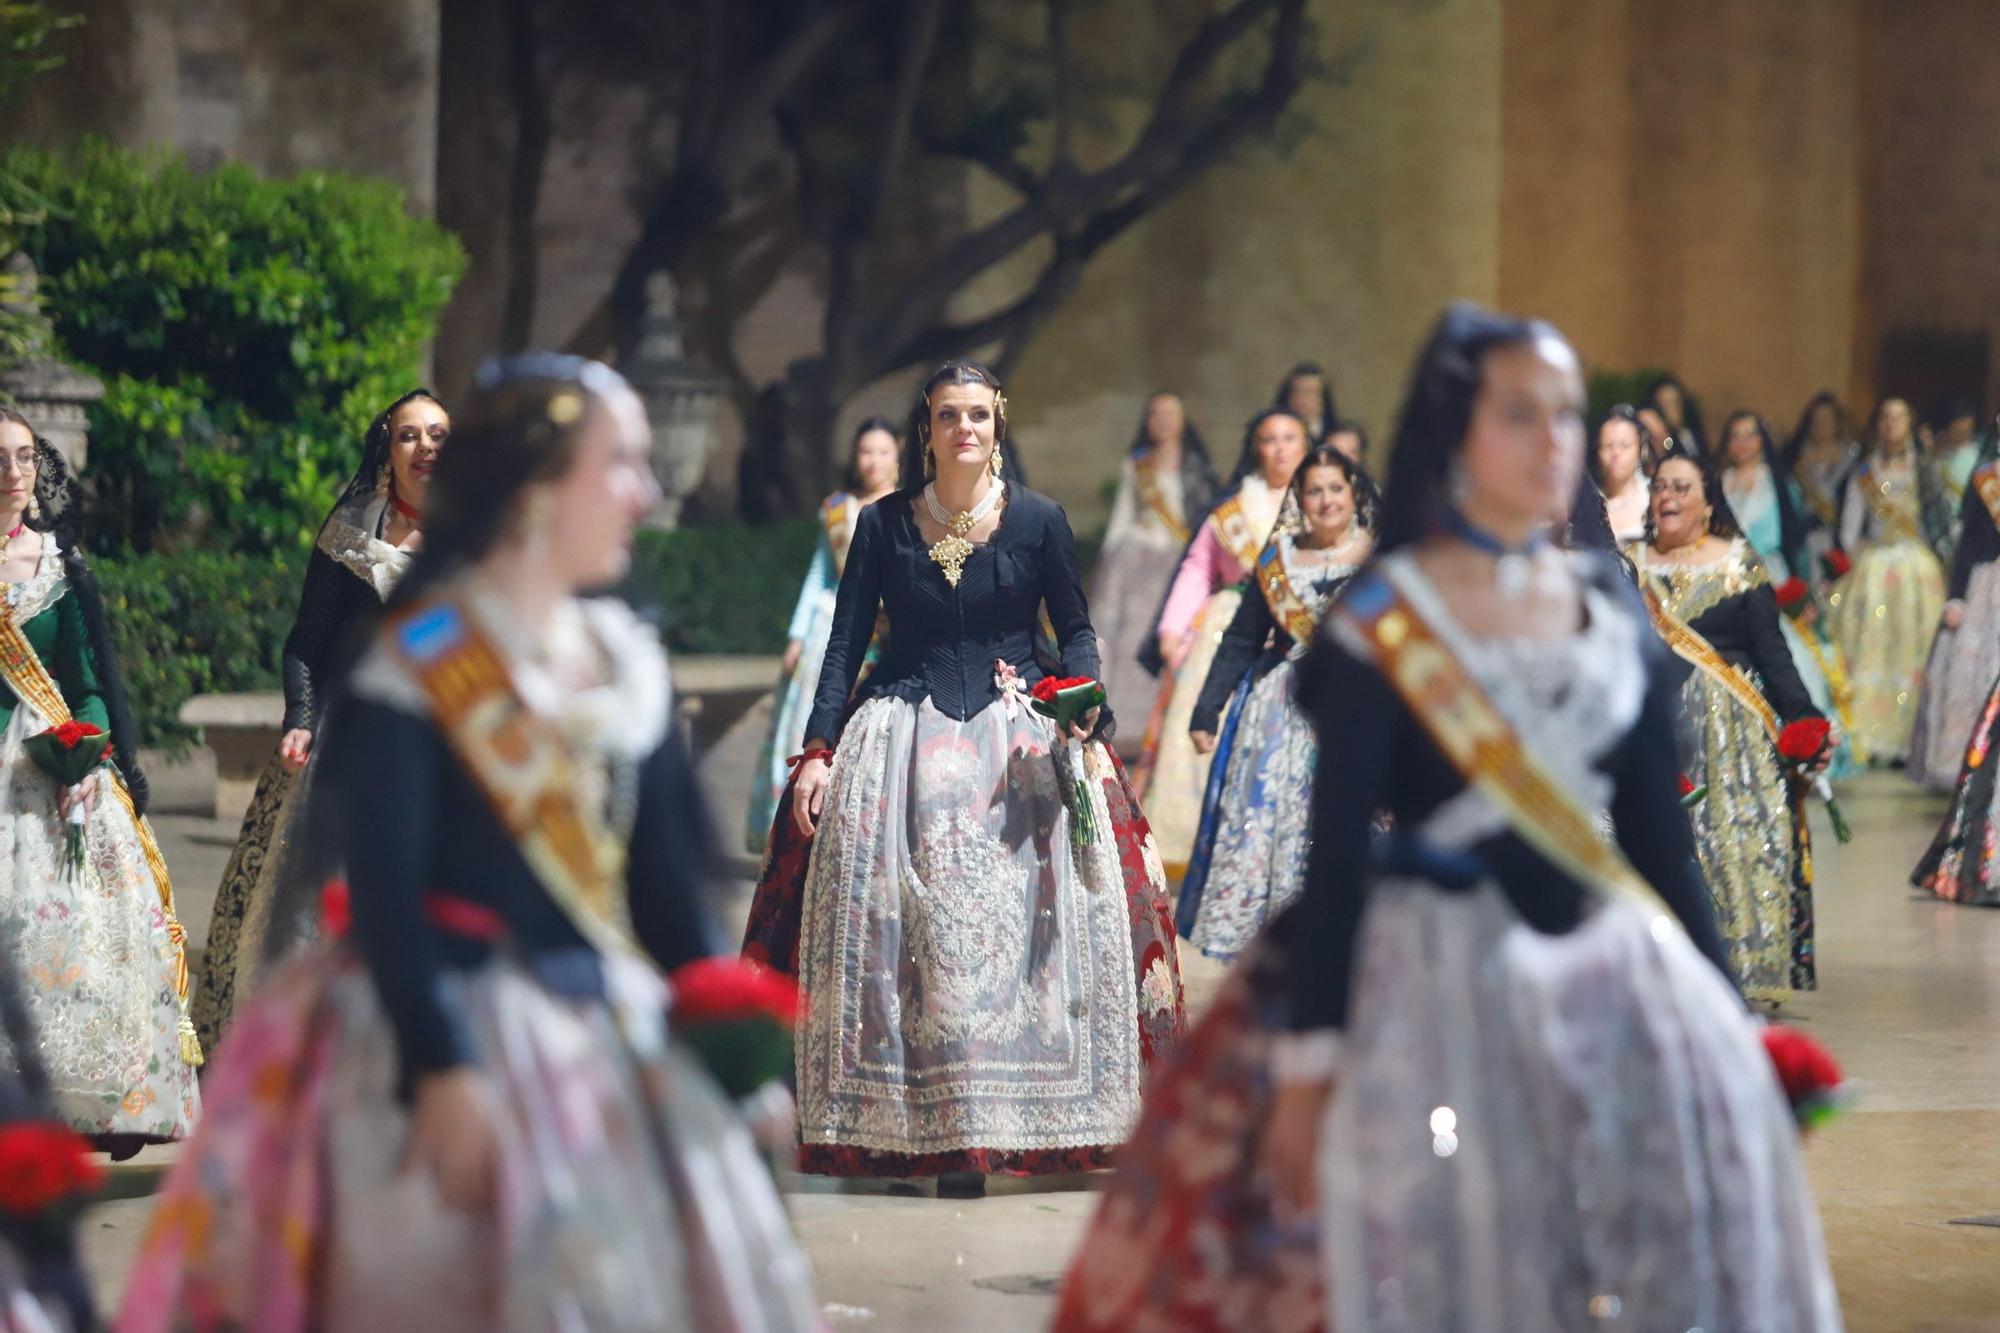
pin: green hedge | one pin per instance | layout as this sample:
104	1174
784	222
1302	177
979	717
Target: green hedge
729	588
193	623
247	331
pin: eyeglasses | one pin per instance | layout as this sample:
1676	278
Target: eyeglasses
1678	489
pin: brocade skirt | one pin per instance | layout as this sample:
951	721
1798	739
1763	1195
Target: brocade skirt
1963	666
630	1197
1884	620
984	984
1174	775
1533	1131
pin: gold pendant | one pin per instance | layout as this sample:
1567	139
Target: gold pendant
950	556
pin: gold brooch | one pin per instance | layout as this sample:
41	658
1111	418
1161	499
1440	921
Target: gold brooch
951	553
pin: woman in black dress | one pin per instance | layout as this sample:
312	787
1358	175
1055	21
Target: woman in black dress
1518	1074
469	1113
268	892
972	903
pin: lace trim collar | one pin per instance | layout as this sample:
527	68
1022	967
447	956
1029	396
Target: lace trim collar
42	589
349	538
625	718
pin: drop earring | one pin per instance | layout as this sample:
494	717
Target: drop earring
34	506
993	460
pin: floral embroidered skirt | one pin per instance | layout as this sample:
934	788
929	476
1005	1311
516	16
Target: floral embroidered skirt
1190	1235
1963	862
1751	838
1534	1131
1887	612
983	984
1963	666
1124	603
1256	824
268	904
788	722
630	1197
97	956
1174	775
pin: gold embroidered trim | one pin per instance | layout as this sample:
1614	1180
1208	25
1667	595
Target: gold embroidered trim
1156	500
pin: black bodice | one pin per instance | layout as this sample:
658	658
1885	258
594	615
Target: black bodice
1978	540
1376	756
1743	628
417	825
334	606
943	641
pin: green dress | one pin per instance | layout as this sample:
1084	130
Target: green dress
99	953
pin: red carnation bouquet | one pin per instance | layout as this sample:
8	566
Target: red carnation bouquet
1802	742
47	1174
1811	1078
68	754
737	1017
1068	700
1836	564
1793	597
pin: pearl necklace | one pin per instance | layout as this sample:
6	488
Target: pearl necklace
951	553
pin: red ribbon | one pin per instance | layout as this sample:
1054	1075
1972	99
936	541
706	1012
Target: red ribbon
409	511
463	917
807	758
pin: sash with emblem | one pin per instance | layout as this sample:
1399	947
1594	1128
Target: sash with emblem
1148	483
1689	645
1478	741
1287	607
839	532
522	766
31	681
1895	524
1239	536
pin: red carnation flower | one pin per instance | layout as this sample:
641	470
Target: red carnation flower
1836	563
71	733
1803	1066
718	989
1791	592
1802	741
1048	687
336	908
1687	787
41	1164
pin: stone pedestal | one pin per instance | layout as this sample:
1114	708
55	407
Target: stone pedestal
243	730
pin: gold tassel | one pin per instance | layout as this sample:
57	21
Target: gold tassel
190	1044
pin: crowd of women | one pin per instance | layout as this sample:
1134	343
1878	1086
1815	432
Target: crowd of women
1492	786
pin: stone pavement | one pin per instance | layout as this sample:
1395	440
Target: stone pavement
1910	1003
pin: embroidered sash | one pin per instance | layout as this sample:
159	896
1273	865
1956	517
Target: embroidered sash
839	532
521	765
1155	499
1689	645
1237	532
31	681
1986	480
1287	607
1896	525
1473	735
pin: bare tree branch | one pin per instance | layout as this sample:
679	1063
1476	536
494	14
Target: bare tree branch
1062	155
1101	204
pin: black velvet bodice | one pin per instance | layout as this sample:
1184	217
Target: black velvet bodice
334	606
1743	628
943	641
418	825
1375	756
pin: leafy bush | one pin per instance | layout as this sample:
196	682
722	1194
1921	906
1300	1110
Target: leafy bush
729	588
195	622
247	331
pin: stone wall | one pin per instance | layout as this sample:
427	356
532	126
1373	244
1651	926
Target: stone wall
284	86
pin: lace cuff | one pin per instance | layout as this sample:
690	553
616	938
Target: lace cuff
1306	1057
